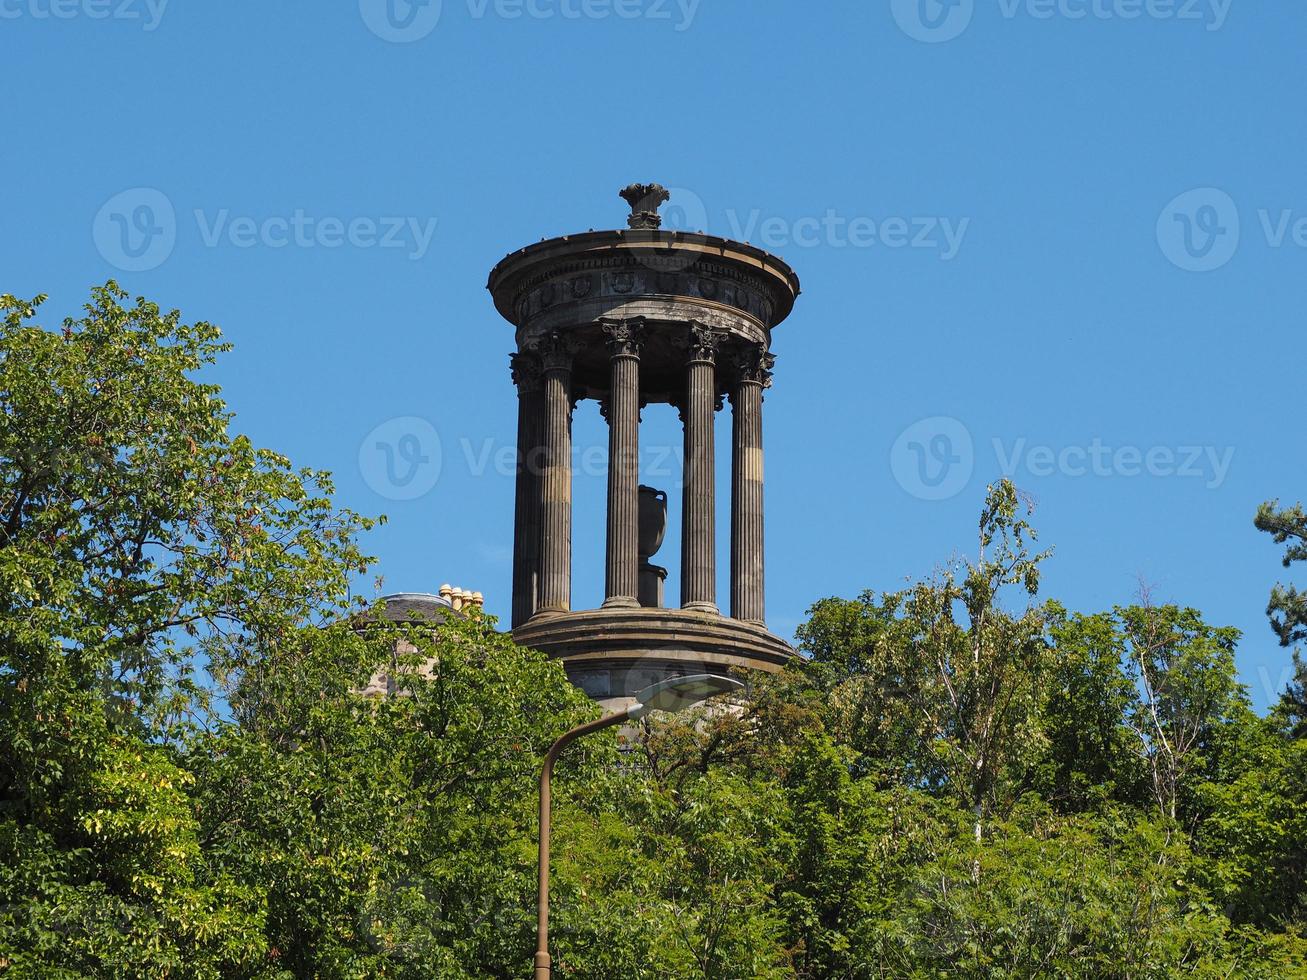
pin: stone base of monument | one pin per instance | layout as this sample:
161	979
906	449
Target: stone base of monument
613	653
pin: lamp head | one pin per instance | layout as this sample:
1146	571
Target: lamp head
679	693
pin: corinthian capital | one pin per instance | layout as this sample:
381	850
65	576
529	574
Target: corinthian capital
555	351
703	342
624	336
526	370
754	365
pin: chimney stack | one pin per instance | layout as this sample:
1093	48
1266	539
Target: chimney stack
460	599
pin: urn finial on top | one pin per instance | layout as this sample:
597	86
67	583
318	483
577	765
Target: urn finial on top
645	199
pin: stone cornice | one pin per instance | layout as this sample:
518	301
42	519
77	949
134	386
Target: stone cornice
560	266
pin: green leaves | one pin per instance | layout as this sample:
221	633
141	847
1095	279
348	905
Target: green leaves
391	836
940	680
959	781
138	536
136	530
1102	802
1081	896
1288	606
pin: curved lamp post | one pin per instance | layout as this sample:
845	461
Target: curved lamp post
675	694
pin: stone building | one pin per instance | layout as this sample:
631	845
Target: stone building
417	607
631	317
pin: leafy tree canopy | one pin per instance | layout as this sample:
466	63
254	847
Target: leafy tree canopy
959	779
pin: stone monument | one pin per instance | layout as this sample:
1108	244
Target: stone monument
632	317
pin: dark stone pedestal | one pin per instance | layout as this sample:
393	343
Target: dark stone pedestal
653	580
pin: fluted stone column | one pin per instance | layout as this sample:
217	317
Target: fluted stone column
556	477
698	533
754	374
526	504
622	408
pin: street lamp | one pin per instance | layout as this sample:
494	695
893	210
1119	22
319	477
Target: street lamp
675	694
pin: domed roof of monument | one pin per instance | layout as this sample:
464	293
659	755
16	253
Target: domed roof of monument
643	234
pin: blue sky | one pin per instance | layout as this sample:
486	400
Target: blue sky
1060	238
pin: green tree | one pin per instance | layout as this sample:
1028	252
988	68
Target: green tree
1253	834
138	536
1291	710
393	837
1091	757
857	849
862	680
1288	607
1087	895
1189	708
960	781
941	680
